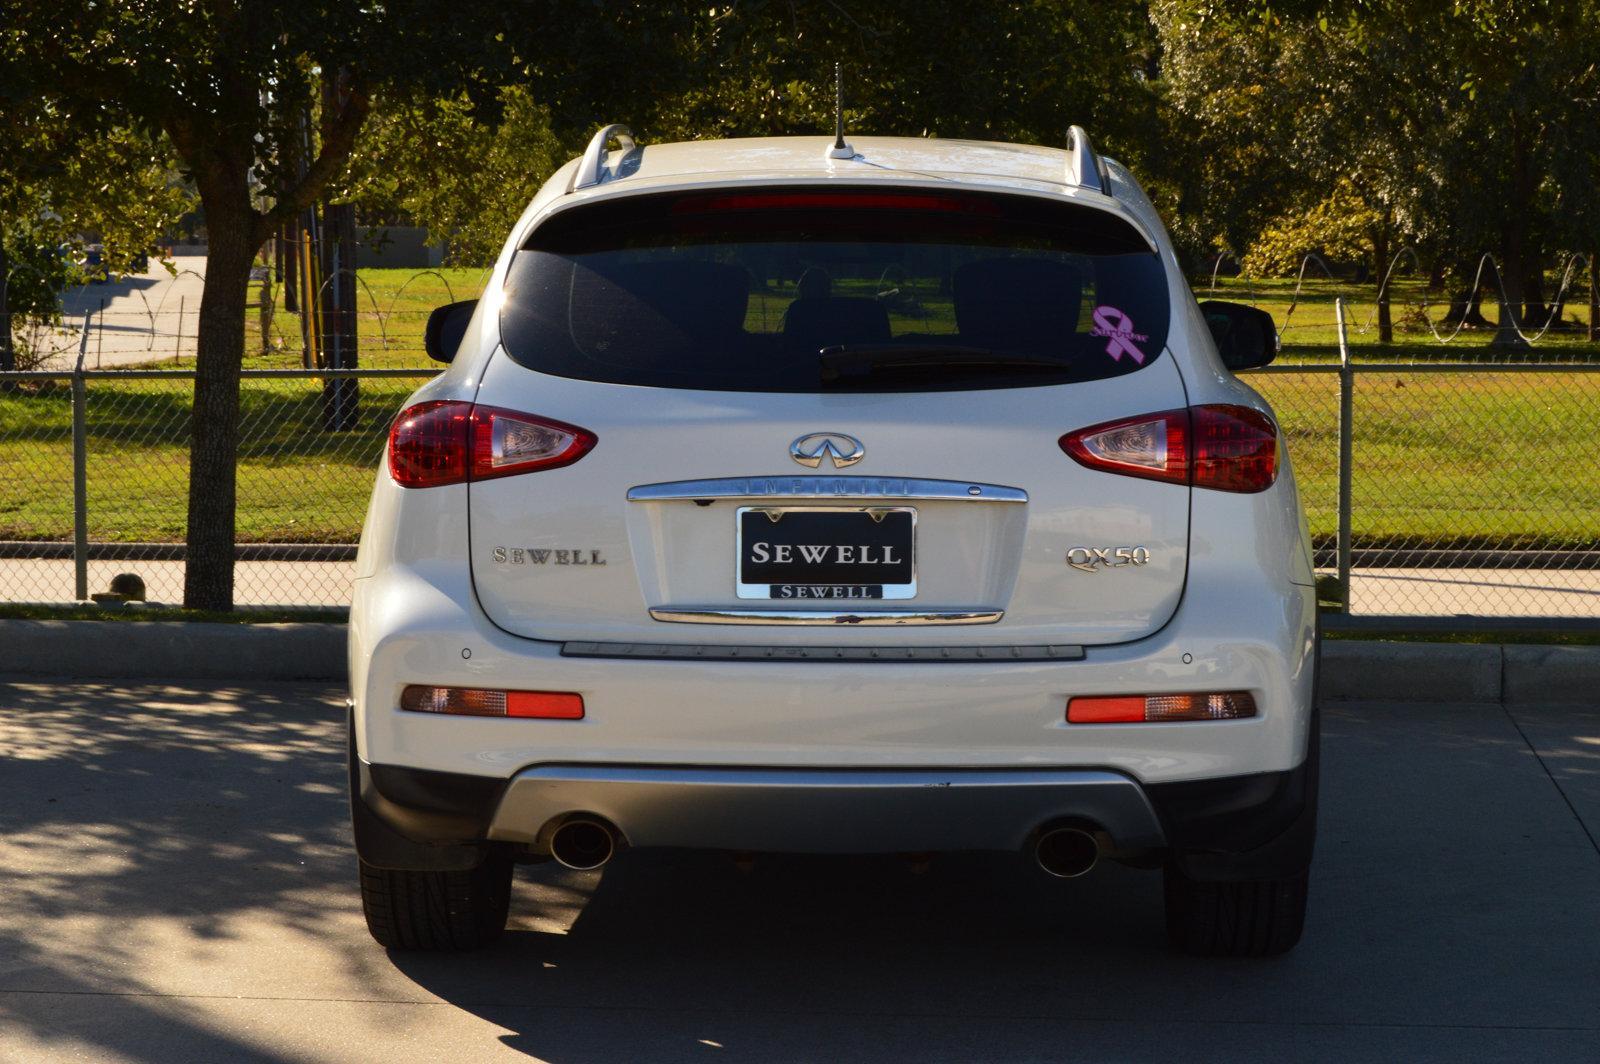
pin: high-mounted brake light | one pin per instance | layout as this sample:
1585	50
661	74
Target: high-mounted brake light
480	702
1218	446
865	201
449	441
1156	709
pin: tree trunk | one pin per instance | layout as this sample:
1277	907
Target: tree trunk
1510	292
1594	296
267	303
1514	256
339	394
8	357
1535	311
291	268
214	425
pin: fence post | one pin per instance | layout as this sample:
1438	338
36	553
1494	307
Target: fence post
1346	406
80	472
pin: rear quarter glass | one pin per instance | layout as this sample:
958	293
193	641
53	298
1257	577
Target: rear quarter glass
744	291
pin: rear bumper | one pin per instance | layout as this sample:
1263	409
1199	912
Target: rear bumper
824	811
1256	826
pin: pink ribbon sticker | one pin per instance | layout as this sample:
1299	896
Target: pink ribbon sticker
1117	327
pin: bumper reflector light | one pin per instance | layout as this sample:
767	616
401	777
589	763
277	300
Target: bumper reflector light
478	702
1141	709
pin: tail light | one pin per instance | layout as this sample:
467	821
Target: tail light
448	442
480	702
1155	709
1219	446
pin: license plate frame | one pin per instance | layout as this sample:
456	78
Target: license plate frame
766	590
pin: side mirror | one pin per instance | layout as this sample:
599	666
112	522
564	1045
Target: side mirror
446	326
1246	337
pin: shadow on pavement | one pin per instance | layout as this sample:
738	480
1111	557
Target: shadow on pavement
165	849
132	812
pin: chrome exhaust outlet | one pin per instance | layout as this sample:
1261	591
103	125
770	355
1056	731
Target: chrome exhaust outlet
1066	852
583	844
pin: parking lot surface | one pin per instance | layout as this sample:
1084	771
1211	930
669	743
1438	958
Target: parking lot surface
177	884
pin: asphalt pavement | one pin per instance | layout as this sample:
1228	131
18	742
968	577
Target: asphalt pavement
177	884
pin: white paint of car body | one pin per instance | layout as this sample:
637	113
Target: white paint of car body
1245	618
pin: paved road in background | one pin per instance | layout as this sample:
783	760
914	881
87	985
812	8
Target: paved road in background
141	318
176	885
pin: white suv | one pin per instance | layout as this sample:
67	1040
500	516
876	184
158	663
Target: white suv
785	495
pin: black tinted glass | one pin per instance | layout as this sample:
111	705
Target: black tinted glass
765	291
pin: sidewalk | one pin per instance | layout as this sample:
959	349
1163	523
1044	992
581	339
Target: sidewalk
1409	592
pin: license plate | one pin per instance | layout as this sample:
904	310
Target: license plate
815	553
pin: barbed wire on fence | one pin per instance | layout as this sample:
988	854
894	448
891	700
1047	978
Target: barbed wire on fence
1571	267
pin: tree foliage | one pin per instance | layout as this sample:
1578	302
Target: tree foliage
1464	125
464	175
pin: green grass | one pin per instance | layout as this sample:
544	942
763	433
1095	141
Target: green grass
392	307
1448	459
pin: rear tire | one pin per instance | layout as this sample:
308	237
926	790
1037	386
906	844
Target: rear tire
437	911
1252	918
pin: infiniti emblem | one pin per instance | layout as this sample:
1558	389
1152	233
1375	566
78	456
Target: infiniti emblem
844	450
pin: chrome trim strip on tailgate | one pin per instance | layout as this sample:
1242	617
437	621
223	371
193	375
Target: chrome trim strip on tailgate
826	488
874	618
827	810
868	654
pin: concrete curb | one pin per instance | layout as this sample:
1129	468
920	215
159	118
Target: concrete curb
1355	669
161	650
1352	669
1358	669
1552	674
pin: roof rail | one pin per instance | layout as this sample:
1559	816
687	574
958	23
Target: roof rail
1084	167
591	168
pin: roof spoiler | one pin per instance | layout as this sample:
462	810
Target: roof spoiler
1084	167
592	167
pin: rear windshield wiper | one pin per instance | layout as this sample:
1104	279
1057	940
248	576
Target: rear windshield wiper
861	360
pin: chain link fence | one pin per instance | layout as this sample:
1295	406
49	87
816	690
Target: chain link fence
305	472
1472	492
1474	489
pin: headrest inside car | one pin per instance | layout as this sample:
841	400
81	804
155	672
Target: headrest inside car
1017	304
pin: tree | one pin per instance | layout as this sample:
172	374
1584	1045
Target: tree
227	84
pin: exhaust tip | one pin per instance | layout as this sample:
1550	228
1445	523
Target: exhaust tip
1066	852
583	844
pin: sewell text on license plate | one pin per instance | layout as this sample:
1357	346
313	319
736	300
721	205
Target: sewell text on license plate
826	553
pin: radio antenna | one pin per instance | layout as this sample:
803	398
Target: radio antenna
840	149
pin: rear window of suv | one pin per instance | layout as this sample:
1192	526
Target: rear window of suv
804	290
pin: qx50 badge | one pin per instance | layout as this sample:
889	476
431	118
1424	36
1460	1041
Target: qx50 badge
1088	559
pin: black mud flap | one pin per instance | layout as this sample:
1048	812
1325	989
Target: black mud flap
418	821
